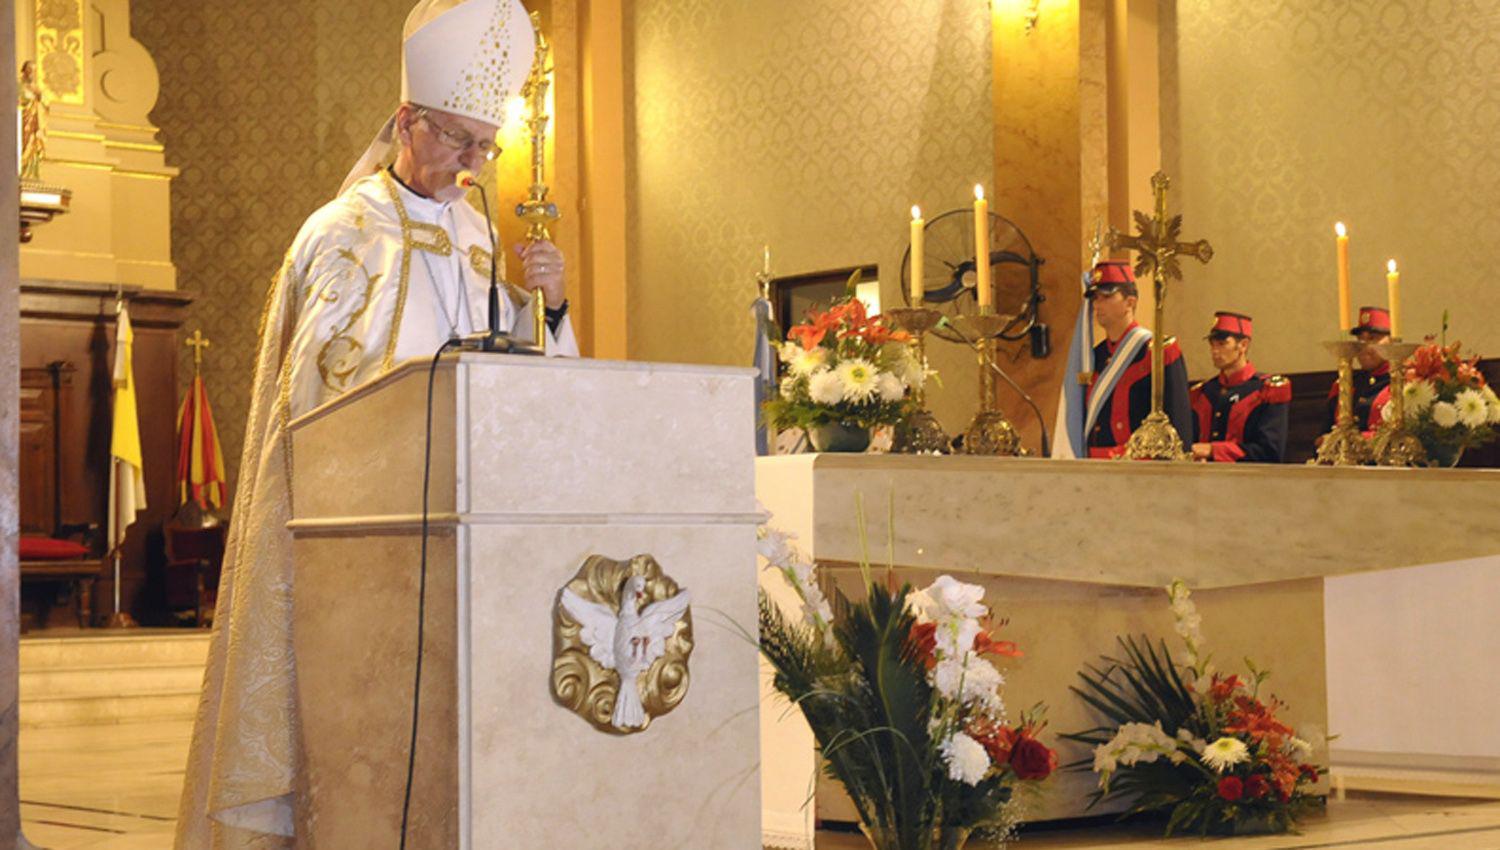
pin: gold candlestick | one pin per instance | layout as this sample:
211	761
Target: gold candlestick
919	433
989	433
1394	445
1345	445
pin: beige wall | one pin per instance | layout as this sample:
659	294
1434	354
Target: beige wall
1283	117
809	126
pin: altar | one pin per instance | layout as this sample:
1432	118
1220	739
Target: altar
1073	554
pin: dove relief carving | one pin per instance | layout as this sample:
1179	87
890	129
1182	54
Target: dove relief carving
623	632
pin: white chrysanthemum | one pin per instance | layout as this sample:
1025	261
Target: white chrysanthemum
970	680
1444	415
857	376
825	387
1472	410
1300	749
1419	396
787	352
788	386
889	387
1225	753
955	636
807	362
947	597
1495	413
966	759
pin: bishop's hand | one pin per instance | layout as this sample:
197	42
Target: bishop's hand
542	265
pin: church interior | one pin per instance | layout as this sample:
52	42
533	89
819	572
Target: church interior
739	189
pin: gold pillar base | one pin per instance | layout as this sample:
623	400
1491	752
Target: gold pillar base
1395	446
1156	439
1344	446
920	433
992	434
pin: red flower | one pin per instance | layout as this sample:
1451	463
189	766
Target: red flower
985	644
1031	759
1308	773
1231	788
923	641
1256	719
1222	689
997	740
1256	787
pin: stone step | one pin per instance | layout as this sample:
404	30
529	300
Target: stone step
112	678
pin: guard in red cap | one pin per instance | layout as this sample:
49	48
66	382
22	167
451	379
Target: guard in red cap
1374	373
1242	414
1119	388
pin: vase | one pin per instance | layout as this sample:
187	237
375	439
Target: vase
1445	456
1256	824
838	437
943	838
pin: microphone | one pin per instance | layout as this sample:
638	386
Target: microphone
493	339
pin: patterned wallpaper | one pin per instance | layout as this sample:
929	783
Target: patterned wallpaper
810	126
1284	116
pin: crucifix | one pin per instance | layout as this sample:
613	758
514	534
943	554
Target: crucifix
1157	248
198	342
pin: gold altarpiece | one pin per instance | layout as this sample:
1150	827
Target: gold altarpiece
100	86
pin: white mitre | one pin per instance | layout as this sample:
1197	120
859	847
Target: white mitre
467	57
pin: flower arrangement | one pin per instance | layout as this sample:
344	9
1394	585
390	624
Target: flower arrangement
844	366
904	702
1447	403
1184	739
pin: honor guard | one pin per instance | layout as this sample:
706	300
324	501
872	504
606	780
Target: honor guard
1374	373
1241	413
1119	390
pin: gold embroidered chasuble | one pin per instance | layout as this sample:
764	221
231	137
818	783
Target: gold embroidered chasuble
377	276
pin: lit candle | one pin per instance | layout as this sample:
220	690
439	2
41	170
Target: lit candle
1343	243
982	249
918	254
1393	293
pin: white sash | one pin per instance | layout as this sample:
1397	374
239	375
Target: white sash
1104	387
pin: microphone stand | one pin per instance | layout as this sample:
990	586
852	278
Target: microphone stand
493	339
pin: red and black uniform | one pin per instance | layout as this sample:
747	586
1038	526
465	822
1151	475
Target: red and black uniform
1369	387
1243	416
1130	403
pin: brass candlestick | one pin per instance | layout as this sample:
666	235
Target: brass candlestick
990	433
919	433
1394	445
536	210
1345	445
1157	246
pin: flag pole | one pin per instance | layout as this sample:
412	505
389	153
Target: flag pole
119	619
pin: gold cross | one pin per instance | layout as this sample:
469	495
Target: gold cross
1156	243
199	342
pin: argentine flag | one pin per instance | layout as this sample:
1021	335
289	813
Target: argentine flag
1070	407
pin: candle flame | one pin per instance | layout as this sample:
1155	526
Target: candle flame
916	212
978	192
1390	266
1340	229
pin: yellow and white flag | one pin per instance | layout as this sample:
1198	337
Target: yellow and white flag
127	492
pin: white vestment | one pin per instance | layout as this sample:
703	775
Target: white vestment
378	276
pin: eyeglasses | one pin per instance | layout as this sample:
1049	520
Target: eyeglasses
460	140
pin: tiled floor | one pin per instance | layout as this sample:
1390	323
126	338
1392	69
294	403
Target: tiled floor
116	787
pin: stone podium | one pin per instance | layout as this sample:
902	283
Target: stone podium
537	464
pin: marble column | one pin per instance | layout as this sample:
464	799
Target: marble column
10	370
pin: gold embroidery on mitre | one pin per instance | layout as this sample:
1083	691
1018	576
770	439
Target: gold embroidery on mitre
482	88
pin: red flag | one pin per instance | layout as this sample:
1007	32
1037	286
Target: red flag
200	459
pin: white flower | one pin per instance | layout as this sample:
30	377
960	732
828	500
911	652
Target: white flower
1225	753
910	368
970	680
857	376
1493	404
788	386
775	546
1186	739
889	387
806	362
1444	415
825	388
787	352
816	611
1134	743
1472	409
966	758
1300	749
1419	396
947	597
1388	411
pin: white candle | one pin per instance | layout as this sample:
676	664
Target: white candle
982	249
918	254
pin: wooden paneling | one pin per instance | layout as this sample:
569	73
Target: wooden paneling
75	323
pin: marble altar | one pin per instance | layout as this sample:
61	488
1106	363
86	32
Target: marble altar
1074	553
536	464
